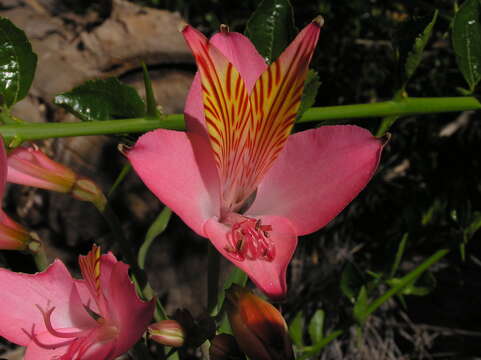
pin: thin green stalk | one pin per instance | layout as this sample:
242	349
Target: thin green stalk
125	245
213	273
408	106
40	258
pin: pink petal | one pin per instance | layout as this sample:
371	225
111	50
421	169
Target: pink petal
52	288
131	315
319	172
269	276
179	169
240	51
3	168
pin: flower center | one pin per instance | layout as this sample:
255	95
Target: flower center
248	239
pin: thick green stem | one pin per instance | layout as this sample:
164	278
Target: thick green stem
403	107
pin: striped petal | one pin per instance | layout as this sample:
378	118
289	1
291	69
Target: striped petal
227	114
275	100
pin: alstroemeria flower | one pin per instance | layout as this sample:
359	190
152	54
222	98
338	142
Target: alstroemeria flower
13	236
236	176
31	167
58	317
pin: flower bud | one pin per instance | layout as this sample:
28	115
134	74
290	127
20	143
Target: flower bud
14	236
86	190
224	347
258	327
167	332
31	167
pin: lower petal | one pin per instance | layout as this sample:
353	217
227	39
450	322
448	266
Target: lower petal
179	169
317	175
269	276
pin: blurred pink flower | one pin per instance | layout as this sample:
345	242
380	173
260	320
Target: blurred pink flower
13	236
31	167
236	176
58	317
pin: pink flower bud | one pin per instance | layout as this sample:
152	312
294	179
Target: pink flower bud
14	236
167	332
258	327
31	167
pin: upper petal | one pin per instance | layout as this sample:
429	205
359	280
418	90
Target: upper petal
269	276
132	315
22	293
319	172
239	51
179	169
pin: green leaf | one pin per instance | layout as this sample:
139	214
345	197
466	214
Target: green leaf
312	351
296	328
236	276
17	63
311	85
360	307
316	326
399	254
151	109
102	100
157	228
406	280
351	282
271	28
410	41
467	41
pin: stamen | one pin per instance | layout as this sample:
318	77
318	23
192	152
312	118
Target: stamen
249	239
34	338
48	324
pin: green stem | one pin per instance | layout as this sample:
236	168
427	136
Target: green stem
125	245
41	260
403	107
213	273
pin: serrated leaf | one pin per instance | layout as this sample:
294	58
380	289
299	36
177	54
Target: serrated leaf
311	85
102	100
316	326
17	63
271	28
296	328
467	41
410	40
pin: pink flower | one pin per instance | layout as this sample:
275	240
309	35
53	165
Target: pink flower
13	236
236	176
58	317
31	167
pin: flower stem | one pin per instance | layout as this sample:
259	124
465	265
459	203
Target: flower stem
407	106
125	246
213	272
40	258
